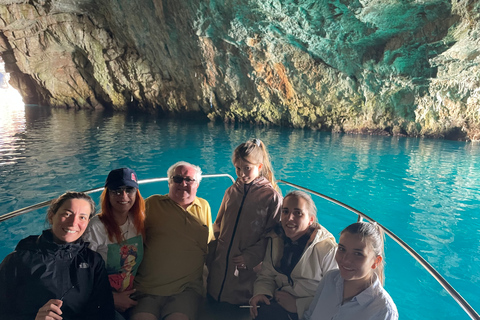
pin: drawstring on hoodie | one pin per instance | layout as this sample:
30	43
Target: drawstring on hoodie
68	290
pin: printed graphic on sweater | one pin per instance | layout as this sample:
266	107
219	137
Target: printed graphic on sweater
122	262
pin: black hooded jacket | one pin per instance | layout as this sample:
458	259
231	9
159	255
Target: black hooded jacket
40	269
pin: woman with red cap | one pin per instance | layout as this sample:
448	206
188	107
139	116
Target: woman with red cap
117	234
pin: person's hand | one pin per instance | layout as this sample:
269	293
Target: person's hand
123	301
254	302
286	301
50	310
239	261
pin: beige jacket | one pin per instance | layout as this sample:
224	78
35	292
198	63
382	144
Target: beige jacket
242	223
317	258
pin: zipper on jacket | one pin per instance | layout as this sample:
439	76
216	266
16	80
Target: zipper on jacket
233	237
289	278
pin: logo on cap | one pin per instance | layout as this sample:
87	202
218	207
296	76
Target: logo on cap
133	177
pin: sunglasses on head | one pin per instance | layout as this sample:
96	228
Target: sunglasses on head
180	179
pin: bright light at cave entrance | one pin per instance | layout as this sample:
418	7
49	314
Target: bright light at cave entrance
10	100
12	117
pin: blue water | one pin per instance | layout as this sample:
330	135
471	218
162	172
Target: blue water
426	191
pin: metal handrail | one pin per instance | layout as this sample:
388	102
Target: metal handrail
444	283
46	203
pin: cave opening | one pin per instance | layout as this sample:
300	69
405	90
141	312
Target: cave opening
10	98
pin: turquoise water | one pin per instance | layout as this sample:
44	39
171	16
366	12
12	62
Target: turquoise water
426	191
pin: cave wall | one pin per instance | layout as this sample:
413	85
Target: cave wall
367	66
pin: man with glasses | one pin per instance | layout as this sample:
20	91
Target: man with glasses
178	228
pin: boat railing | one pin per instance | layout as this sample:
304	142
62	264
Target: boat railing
144	181
444	283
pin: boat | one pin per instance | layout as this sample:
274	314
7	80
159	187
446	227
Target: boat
235	313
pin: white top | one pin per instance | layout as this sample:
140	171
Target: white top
374	303
121	259
97	235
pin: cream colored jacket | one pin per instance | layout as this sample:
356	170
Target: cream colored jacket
317	258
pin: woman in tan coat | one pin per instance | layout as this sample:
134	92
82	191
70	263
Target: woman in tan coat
299	253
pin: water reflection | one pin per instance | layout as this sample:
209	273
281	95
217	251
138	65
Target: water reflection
12	120
444	180
12	125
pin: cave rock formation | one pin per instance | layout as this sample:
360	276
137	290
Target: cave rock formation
396	67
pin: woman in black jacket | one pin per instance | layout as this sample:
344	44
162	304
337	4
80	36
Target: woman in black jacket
55	275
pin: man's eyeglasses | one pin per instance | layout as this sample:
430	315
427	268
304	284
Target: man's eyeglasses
180	179
129	190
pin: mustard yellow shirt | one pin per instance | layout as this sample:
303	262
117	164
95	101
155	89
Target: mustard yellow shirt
175	246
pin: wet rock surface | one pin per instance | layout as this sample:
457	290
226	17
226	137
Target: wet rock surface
366	66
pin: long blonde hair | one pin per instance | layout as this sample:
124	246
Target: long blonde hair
255	152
